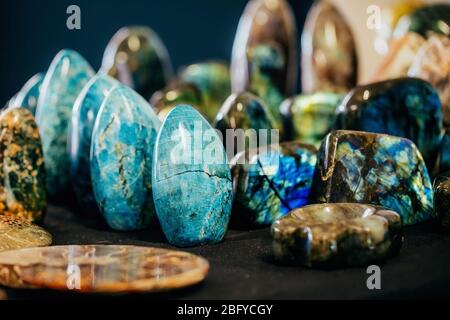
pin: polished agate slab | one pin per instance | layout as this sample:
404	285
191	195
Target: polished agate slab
17	233
344	234
101	269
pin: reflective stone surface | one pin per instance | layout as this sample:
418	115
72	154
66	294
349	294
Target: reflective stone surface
28	96
441	188
444	153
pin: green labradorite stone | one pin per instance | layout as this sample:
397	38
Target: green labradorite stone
441	188
337	235
22	174
362	167
309	117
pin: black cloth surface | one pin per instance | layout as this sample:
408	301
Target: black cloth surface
241	266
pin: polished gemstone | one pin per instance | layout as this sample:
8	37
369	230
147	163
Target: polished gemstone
444	153
406	107
137	57
329	60
441	189
264	57
28	96
379	169
309	117
192	187
17	233
121	158
66	77
84	114
22	173
101	269
337	235
271	181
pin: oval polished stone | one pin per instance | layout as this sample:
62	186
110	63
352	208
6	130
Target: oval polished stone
121	159
329	60
81	126
309	117
192	187
337	234
362	167
102	269
137	57
22	173
270	181
67	75
28	96
407	107
441	188
264	58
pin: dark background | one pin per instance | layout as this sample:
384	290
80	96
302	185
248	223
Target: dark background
33	31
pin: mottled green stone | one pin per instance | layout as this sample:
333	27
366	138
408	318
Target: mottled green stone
441	189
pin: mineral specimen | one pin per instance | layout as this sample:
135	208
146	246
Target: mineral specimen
442	198
28	96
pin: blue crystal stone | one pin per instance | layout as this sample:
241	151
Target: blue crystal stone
67	75
192	187
121	157
28	96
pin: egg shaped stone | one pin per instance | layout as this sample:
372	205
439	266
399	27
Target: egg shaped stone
121	157
22	173
67	75
192	187
28	96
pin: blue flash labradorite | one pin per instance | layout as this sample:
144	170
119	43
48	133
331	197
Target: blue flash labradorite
444	153
84	114
121	159
28	96
405	107
380	169
271	181
192	187
66	77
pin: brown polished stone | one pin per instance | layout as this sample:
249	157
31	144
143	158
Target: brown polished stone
17	233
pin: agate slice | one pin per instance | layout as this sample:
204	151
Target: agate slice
28	96
337	235
101	269
441	188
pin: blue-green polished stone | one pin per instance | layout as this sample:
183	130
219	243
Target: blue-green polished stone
84	114
67	75
444	153
380	169
28	96
121	158
192	187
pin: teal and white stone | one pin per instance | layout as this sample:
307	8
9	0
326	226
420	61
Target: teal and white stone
28	96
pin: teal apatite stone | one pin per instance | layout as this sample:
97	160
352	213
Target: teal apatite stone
28	96
192	187
380	169
406	107
66	77
84	114
271	181
121	158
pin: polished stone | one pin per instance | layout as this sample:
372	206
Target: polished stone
337	235
28	96
443	164
406	107
192	187
64	80
380	169
22	173
137	57
270	181
441	187
102	269
121	158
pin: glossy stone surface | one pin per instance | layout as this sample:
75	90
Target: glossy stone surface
441	187
379	169
264	57
270	181
137	57
337	235
407	107
192	187
17	233
444	153
84	113
28	96
121	158
67	75
309	117
213	80
329	60
22	173
103	269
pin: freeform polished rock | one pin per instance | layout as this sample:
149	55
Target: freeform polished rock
441	187
28	96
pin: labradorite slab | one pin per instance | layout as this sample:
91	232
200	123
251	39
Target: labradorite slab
444	153
337	235
405	107
28	96
192	187
121	158
81	126
441	187
22	173
64	80
270	181
379	169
